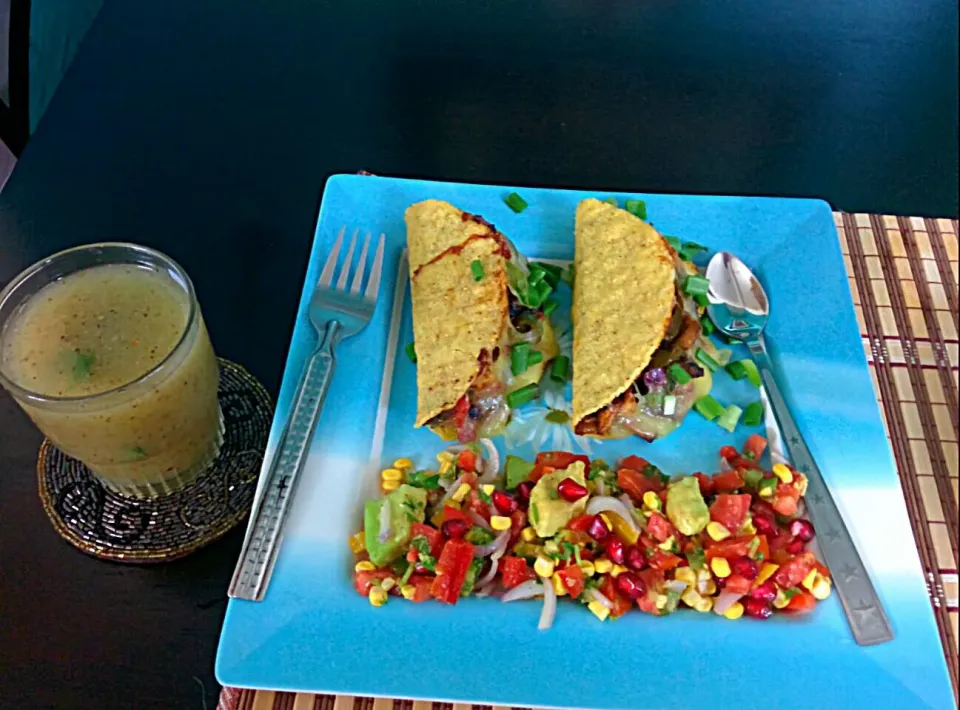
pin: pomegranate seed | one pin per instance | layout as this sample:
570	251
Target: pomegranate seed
524	490
455	528
631	585
796	546
571	491
765	593
504	503
764	525
597	529
634	558
802	529
756	608
745	567
615	550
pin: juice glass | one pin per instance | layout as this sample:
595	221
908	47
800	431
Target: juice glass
104	347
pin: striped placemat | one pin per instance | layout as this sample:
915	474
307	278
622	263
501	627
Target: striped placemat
903	275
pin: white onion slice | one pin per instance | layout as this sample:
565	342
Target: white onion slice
549	607
498	545
486	590
491	462
599	596
478	519
604	504
676	585
628	503
385	531
453	489
725	600
528	590
601	487
491	573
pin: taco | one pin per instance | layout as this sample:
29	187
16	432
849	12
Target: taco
481	337
634	329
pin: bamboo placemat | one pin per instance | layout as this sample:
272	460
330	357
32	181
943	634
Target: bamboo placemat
903	275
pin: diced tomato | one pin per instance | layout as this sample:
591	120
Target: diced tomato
422	584
518	521
737	584
778	544
763	549
452	570
550	461
572	579
763	508
621	604
821	568
451	513
785	499
636	484
475	503
635	463
707	486
794	570
659	528
664	560
800	603
730	510
434	537
364	580
467	461
580	523
728	481
729	453
648	605
754	447
514	571
729	548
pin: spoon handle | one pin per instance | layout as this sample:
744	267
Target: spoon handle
865	613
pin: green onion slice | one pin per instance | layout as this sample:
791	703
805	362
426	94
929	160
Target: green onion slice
696	284
728	420
709	408
753	414
549	307
411	351
519	358
535	357
678	374
745	368
560	368
515	202
638	208
707	360
476	267
707	326
525	394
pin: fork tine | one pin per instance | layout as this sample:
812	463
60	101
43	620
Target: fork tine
371	293
326	276
358	277
345	269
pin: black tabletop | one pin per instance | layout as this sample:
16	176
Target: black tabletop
206	128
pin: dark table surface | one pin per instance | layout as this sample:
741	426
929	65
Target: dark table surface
206	128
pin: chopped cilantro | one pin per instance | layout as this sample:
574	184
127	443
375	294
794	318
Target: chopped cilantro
478	536
484	496
697	558
470	581
424	479
82	363
421	544
791	593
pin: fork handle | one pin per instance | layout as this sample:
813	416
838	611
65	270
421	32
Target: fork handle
862	605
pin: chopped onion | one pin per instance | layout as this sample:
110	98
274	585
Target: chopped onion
486	590
496	547
599	596
385	531
491	462
669	405
601	487
725	465
676	585
603	504
725	600
456	449
549	607
478	519
528	590
453	489
491	573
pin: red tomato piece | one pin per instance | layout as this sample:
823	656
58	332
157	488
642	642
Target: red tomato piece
707	486
729	453
422	584
580	523
621	604
561	459
730	510
800	603
452	570
518	521
763	548
728	481
754	447
659	528
737	584
653	578
434	537
572	579
664	561
451	513
635	463
785	499
515	571
636	484
467	461
794	570
729	548
364	580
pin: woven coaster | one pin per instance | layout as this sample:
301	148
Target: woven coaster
110	526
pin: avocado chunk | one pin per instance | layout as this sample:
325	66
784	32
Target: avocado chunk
407	506
518	470
685	506
548	511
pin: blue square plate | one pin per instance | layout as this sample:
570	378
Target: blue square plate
313	632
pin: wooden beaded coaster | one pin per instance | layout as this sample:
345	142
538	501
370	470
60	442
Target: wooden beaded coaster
111	526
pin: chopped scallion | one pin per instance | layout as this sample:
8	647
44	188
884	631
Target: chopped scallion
674	243
476	268
707	326
701	300
551	273
753	414
515	202
535	357
536	276
728	420
678	374
638	208
745	368
525	394
519	358
689	250
736	370
560	368
549	307
695	284
411	351
707	360
709	408
612	201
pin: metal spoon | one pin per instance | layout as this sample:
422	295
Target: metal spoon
739	308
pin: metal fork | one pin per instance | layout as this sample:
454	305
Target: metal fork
336	313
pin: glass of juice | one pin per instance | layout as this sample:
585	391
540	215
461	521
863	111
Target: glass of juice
104	347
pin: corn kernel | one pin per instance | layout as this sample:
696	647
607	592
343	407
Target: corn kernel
748	528
617	570
489	488
703	575
364	566
390	486
766	572
437	519
766	492
377	596
500	522
821	588
388	583
780	601
391	474
551	547
651	500
720	567
461	492
558	585
445	468
716	531
603	566
783	473
690	598
606	521
685	574
455	504
710	587
403	464
668	543
704	605
528	535
800	483
598	610
661	601
587	568
810	579
408	591
446	457
622	529
734	612
357	544
543	567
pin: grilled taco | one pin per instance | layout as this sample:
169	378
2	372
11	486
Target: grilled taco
634	329
481	337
